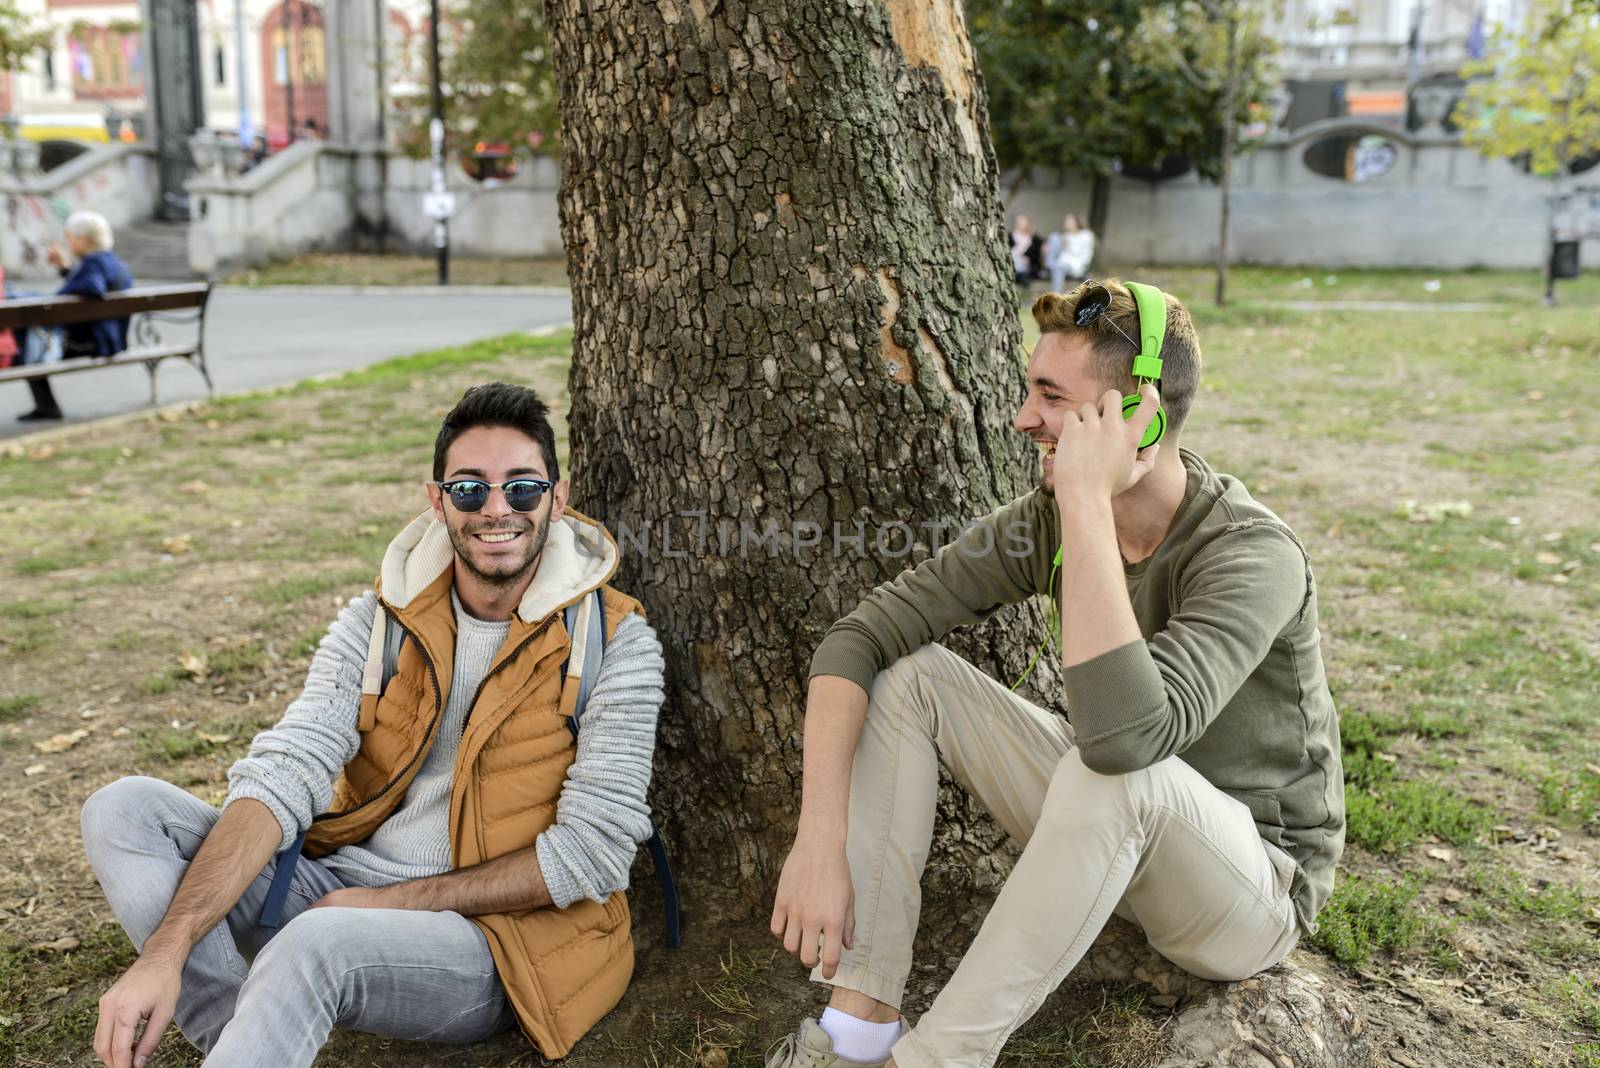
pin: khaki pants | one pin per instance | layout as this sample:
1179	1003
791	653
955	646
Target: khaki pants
1161	847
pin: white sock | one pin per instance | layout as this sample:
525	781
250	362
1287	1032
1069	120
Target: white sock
859	1040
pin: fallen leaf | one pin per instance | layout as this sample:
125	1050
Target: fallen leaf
41	452
59	743
195	664
195	486
60	945
81	491
1548	832
178	544
1452	895
214	739
167	415
34	769
213	424
1534	394
1440	853
121	732
1547	558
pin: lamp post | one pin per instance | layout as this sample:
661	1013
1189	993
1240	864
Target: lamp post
246	135
288	67
439	204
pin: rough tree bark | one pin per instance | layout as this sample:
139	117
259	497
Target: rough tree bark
793	304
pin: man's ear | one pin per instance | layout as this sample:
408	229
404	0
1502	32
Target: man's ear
436	500
559	495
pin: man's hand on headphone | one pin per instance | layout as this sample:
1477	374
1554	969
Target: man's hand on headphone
1099	450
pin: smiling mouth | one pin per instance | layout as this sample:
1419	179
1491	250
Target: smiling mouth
1047	448
498	537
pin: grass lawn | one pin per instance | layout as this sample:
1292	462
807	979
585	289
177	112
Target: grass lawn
164	595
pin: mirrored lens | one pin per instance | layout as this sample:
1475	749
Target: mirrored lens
523	494
1095	300
469	496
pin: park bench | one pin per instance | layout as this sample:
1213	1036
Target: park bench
146	307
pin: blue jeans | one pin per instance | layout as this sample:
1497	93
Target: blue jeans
256	997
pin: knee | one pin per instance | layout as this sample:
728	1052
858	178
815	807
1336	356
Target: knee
896	686
131	798
1078	793
308	949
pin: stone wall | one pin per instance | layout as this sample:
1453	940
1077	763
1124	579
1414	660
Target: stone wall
1440	204
119	181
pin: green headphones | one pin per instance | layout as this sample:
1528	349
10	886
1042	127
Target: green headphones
1147	365
1152	305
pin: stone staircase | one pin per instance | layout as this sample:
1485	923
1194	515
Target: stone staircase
155	251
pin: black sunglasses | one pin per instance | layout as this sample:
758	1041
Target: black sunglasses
1092	306
471	494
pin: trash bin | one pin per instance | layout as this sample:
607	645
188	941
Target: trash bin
1564	259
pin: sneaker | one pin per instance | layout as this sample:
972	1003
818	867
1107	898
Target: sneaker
810	1047
39	415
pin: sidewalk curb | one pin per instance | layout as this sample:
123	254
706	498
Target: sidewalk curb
400	291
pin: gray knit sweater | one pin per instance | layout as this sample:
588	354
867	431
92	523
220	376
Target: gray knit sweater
601	815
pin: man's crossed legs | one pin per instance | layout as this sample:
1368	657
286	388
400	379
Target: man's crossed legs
415	975
1161	847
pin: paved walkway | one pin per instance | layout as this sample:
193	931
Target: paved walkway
1390	305
270	336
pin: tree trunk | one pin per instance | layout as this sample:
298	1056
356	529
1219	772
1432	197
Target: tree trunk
794	310
1230	95
1099	211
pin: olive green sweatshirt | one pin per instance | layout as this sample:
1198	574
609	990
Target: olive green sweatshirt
1229	674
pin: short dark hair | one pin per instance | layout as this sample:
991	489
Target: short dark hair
498	404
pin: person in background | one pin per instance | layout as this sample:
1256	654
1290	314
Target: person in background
8	341
1027	250
1069	253
98	271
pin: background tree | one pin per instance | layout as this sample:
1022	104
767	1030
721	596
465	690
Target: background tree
18	40
1065	92
1538	98
1222	49
501	86
793	308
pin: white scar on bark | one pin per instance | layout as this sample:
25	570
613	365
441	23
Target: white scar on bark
934	34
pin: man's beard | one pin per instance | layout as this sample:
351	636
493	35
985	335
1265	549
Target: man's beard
509	573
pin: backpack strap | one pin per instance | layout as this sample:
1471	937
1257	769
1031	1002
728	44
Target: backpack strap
586	624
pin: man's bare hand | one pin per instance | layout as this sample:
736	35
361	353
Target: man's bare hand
815	905
56	256
147	993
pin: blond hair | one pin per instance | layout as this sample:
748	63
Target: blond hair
1111	356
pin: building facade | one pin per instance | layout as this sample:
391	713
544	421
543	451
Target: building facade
89	84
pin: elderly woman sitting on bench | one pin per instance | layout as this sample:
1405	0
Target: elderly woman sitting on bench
98	271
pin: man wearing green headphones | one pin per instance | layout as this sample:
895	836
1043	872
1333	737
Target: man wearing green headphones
1195	787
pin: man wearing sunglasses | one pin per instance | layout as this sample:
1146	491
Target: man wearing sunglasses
465	852
1195	787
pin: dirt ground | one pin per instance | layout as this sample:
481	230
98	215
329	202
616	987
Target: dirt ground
164	580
